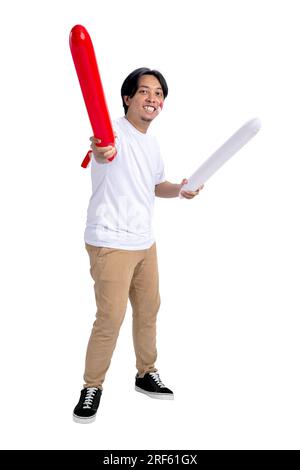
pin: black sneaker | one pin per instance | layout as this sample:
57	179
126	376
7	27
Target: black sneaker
86	409
152	386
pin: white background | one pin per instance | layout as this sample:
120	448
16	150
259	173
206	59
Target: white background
228	328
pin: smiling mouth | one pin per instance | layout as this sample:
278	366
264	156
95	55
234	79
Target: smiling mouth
149	109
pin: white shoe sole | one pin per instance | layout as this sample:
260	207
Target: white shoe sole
78	419
158	396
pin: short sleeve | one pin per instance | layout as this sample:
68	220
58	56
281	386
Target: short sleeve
160	170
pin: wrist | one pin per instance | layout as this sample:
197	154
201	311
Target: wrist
178	188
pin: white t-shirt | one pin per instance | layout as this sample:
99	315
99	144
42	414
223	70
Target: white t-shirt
123	191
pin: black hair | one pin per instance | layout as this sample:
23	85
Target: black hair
130	84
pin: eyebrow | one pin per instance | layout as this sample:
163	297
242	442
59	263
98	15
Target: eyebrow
145	86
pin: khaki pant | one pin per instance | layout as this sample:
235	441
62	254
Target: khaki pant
119	274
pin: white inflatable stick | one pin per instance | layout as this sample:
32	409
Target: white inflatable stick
226	151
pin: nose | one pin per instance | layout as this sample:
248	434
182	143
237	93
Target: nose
151	97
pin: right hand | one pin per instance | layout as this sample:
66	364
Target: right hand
101	154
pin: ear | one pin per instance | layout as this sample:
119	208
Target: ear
127	100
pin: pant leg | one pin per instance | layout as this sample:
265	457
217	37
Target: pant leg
112	271
145	300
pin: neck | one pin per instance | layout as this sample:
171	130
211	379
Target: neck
140	125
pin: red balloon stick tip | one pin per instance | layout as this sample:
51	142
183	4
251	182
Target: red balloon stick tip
87	159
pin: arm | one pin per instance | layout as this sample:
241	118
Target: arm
167	189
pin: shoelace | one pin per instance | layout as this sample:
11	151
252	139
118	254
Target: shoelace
90	395
156	377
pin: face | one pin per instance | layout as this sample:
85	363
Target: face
144	106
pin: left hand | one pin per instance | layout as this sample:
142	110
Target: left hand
189	194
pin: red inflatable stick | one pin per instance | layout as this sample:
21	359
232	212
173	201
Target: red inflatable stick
90	82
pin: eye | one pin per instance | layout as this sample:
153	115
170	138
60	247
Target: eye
159	93
143	92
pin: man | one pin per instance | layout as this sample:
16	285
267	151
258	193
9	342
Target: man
120	241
